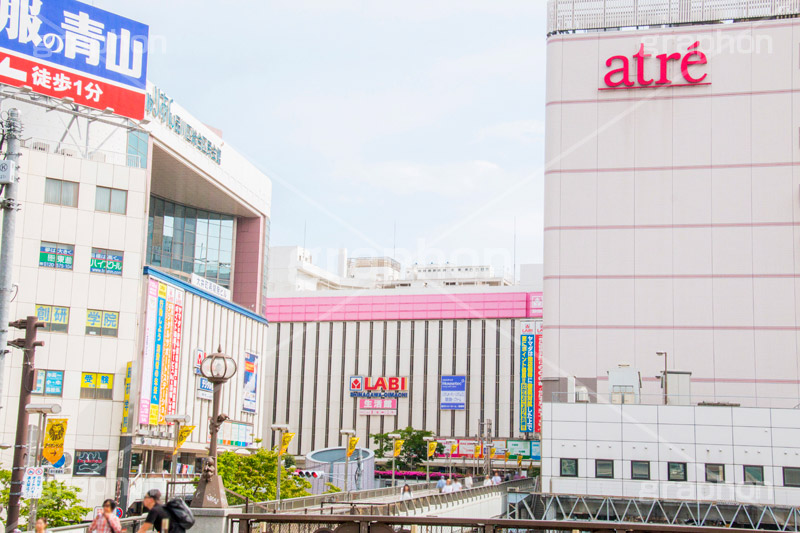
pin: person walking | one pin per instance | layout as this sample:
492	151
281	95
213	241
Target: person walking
457	486
496	480
155	512
441	484
487	482
468	482
405	494
448	488
106	520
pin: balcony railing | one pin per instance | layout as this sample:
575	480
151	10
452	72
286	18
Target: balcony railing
72	150
628	398
576	15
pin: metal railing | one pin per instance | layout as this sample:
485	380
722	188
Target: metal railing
576	15
628	398
129	525
82	152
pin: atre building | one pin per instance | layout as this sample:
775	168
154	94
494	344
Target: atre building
142	247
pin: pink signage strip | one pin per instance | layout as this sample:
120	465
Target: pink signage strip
405	307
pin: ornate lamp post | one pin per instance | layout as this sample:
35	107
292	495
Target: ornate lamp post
216	368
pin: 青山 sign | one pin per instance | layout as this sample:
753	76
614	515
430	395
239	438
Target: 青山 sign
378	387
159	106
645	73
65	48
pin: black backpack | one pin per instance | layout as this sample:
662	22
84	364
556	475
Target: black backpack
180	516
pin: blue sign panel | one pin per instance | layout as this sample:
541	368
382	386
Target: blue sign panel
78	37
536	450
454	393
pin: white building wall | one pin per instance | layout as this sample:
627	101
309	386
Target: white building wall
695	435
671	214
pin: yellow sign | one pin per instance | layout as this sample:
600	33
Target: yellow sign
519	460
491	452
432	448
351	445
183	434
285	440
453	448
53	448
398	447
478	450
126	411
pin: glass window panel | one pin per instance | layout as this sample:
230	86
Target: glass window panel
188	245
753	475
187	267
213	228
226	225
69	194
102	199
213	244
715	473
119	201
791	476
159	207
225	258
640	470
676	471
604	468
176	264
177	234
191	220
177	250
569	467
169	209
52	191
200	246
166	245
225	245
199	268
212	255
202	225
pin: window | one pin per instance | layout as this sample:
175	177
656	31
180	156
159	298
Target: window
604	468
676	471
54	255
60	192
97	386
791	476
55	318
111	200
753	475
640	469
48	382
715	473
569	468
137	149
106	261
102	323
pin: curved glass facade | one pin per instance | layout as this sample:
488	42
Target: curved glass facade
186	240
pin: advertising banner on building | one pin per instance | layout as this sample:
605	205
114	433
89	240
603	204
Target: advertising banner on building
69	49
90	463
529	376
249	400
205	390
126	403
454	393
54	433
161	355
377	406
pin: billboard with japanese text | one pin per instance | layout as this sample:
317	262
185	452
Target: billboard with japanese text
250	394
530	377
161	353
65	48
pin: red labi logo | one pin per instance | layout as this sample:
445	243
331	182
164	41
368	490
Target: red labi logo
621	77
385	384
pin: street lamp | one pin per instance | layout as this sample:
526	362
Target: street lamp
665	374
281	429
428	459
41	409
177	420
217	368
449	444
347	433
394	437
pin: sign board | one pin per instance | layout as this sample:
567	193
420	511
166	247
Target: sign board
199	355
161	353
286	439
239	434
126	404
398	447
211	287
530	376
33	482
183	434
54	433
250	393
69	49
378	387
454	393
90	463
8	171
205	389
377	406
351	445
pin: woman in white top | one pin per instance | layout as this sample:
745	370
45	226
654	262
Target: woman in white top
405	494
468	482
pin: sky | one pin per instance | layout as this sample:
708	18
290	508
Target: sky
412	129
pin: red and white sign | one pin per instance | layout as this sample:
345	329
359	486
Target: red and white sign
356	383
377	406
384	384
623	75
199	355
46	79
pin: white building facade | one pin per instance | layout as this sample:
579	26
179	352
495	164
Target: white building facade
671	195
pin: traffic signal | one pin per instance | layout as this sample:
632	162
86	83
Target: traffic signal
315	474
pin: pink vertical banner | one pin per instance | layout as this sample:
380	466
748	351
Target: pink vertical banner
538	393
177	334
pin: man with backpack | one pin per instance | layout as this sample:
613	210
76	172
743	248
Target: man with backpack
175	513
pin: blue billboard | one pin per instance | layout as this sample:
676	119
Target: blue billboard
454	393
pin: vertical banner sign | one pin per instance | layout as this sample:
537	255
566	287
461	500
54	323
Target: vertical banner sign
54	433
530	376
432	448
174	360
478	451
453	449
69	49
158	355
126	404
454	393
166	354
398	447
148	351
183	434
538	393
285	441
249	402
351	445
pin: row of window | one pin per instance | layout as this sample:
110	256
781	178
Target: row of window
676	471
65	193
98	322
61	256
94	386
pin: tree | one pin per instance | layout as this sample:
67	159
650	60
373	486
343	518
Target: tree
254	476
59	503
415	448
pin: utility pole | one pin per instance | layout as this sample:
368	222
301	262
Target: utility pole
28	346
10	205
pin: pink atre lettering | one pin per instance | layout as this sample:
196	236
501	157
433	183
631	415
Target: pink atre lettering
621	74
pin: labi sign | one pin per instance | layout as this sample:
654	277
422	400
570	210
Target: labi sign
626	74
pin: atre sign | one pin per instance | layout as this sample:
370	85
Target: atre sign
624	74
378	387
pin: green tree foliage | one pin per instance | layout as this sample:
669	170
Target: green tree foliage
415	449
59	504
254	476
